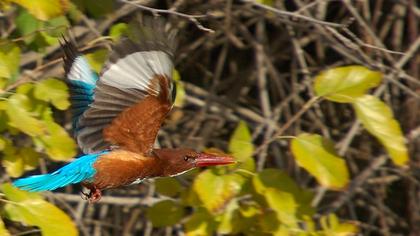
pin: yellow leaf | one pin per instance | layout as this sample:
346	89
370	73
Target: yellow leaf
31	209
284	206
17	161
9	60
215	191
54	91
316	155
378	119
240	144
180	90
44	9
331	226
97	59
200	223
20	116
343	84
3	230
277	179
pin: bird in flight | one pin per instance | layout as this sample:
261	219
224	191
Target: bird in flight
117	115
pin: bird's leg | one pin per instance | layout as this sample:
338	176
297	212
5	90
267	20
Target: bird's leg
94	194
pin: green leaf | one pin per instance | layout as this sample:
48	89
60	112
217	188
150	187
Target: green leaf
96	8
17	161
240	144
26	25
97	59
201	222
57	26
277	179
118	30
344	84
215	191
9	60
242	148
54	91
168	186
21	118
57	143
229	220
165	213
180	89
266	2
44	9
331	226
316	155
31	209
284	206
378	119
3	230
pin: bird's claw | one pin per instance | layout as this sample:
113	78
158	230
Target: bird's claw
93	196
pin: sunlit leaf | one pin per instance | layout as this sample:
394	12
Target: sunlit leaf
31	209
168	186
9	59
180	90
57	143
378	119
200	223
343	84
242	148
215	191
26	25
229	220
21	118
3	230
44	9
2	144
57	26
96	8
97	59
240	144
54	91
118	30
17	161
266	2
284	206
331	226
165	213
277	179
316	155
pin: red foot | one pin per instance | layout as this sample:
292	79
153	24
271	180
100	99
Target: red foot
94	194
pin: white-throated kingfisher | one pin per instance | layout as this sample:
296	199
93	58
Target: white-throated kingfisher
117	115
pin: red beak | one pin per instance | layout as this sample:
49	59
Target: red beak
206	159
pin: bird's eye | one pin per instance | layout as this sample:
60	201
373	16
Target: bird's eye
188	158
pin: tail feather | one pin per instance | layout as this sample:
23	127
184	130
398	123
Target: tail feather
75	172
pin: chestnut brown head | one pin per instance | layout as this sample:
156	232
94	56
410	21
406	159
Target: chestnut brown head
177	161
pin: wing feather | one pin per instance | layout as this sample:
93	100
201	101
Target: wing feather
133	94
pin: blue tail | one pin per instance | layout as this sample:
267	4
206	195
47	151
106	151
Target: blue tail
80	78
77	171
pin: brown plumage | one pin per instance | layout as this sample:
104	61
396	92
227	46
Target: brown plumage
117	117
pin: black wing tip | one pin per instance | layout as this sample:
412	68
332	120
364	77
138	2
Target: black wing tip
70	52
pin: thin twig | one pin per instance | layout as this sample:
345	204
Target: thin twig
192	18
291	14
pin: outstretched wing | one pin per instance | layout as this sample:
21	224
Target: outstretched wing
80	78
133	94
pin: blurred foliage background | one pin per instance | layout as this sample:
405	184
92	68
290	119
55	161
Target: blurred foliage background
324	148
